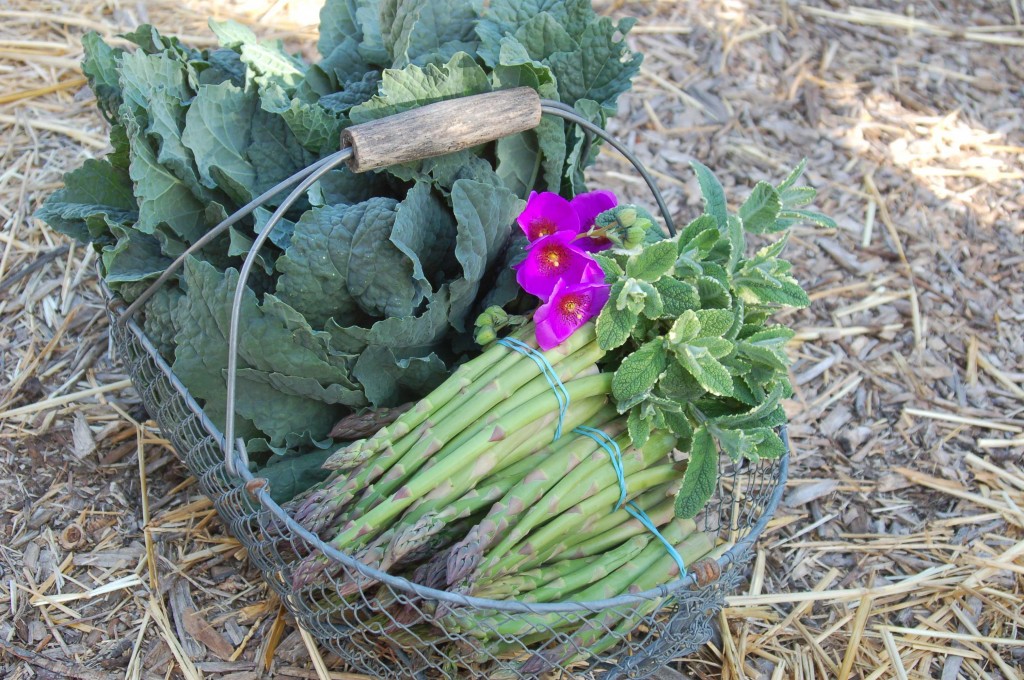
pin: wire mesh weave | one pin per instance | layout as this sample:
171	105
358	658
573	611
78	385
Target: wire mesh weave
632	636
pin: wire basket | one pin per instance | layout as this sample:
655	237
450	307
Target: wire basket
629	636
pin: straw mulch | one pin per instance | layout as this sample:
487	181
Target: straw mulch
899	550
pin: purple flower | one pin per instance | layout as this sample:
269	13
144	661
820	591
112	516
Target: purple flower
547	213
588	206
569	307
556	258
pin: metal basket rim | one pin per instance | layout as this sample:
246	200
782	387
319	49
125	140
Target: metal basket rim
260	492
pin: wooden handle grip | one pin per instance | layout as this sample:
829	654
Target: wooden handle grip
441	128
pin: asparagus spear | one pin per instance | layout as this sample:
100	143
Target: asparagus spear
529	444
614	583
509	370
464	468
514	585
472	461
454	433
594	477
533	549
590	570
461	380
522	499
593	636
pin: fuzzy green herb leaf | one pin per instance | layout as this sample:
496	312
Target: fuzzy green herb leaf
639	371
701	477
653	262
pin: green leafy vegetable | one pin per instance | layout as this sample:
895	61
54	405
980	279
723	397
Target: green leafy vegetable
366	290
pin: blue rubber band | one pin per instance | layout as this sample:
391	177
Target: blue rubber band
614	452
548	371
634	509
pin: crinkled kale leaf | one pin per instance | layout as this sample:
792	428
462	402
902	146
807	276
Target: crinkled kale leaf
362	293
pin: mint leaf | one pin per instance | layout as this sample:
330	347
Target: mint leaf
677	296
713	293
716	347
704	367
685	328
715	323
737	444
767	444
638	426
713	194
767	347
761	209
678	385
793	215
614	326
701	477
653	262
639	371
608	264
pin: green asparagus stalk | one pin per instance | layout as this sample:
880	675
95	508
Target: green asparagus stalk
534	547
503	379
529	443
464	468
523	499
452	431
611	585
590	570
586	480
461	380
474	399
594	636
628	528
514	585
472	461
431	512
520	469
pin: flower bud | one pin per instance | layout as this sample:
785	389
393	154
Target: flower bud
627	216
634	237
485	335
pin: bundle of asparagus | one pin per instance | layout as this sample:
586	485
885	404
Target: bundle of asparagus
471	491
474	473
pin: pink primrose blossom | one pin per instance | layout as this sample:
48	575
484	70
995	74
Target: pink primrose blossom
568	308
556	258
547	213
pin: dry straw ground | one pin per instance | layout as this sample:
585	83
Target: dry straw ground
899	551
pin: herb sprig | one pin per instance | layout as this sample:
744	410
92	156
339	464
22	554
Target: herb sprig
687	326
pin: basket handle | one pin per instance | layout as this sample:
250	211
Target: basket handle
441	128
